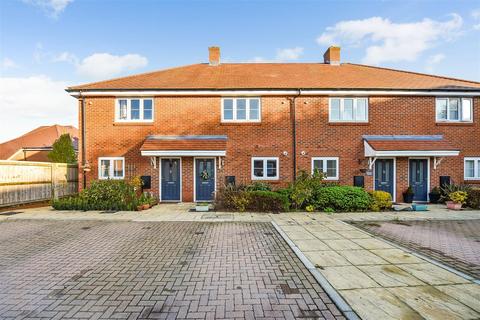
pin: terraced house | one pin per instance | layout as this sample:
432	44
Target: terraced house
190	129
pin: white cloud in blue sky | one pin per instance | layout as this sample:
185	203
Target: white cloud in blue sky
53	8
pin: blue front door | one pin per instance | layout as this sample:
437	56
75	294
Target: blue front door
204	179
384	175
418	173
170	179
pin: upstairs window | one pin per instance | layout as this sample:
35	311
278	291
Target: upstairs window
454	109
134	110
326	165
265	168
348	110
241	110
111	168
471	168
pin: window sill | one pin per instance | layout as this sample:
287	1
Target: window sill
343	123
240	123
132	123
458	124
471	181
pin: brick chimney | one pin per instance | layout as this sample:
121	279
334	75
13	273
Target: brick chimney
332	56
214	56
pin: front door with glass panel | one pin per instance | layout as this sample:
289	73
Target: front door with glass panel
418	175
170	175
204	179
384	180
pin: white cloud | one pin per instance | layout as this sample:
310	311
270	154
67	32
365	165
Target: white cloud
386	41
8	63
29	102
52	8
476	14
105	65
66	57
433	60
289	53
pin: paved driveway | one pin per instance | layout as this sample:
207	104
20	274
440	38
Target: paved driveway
96	269
456	243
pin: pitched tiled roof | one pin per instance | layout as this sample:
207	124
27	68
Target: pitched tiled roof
165	143
281	76
409	143
40	137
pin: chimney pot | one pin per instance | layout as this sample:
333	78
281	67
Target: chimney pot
332	56
214	56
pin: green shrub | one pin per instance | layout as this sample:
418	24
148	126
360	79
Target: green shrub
259	186
451	188
303	190
267	201
381	200
232	197
458	197
342	198
473	199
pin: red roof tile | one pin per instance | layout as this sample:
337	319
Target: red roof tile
179	143
281	76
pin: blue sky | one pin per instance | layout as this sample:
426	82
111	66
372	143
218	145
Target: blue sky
46	45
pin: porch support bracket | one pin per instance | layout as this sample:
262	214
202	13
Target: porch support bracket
153	162
437	161
371	162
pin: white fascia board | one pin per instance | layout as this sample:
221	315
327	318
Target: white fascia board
306	92
406	153
184	153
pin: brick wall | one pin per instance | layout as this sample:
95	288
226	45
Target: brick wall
271	137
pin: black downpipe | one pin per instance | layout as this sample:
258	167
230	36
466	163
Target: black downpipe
84	147
294	132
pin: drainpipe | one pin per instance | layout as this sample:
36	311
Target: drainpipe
84	147
294	131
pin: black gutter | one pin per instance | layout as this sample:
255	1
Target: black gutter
294	131
84	147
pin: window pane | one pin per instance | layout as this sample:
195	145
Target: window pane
258	168
442	109
122	109
254	106
104	168
470	168
118	168
147	109
347	109
135	109
335	109
318	164
361	111
241	109
228	109
453	105
331	168
271	168
466	109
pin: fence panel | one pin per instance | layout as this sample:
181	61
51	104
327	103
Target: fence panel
25	181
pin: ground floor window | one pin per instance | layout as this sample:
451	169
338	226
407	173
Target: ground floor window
472	168
327	165
265	168
111	168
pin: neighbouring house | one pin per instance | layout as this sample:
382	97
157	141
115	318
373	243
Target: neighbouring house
36	144
191	129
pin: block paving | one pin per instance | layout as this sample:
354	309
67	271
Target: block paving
153	270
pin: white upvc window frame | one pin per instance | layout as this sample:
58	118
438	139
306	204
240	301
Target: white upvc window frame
324	169
111	168
342	104
129	109
476	168
234	110
460	110
265	159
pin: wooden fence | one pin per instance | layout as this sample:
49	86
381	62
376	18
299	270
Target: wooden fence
25	181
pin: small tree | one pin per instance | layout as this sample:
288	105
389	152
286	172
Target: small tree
63	150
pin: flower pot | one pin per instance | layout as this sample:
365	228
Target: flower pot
434	197
201	208
139	208
408	197
453	205
146	206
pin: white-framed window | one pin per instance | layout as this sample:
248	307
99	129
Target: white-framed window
454	109
471	168
134	110
348	110
111	168
241	110
327	165
265	168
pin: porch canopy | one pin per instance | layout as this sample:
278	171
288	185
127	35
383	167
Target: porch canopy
195	146
408	146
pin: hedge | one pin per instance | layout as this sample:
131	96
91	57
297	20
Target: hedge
473	200
342	198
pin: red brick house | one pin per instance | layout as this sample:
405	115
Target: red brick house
190	128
